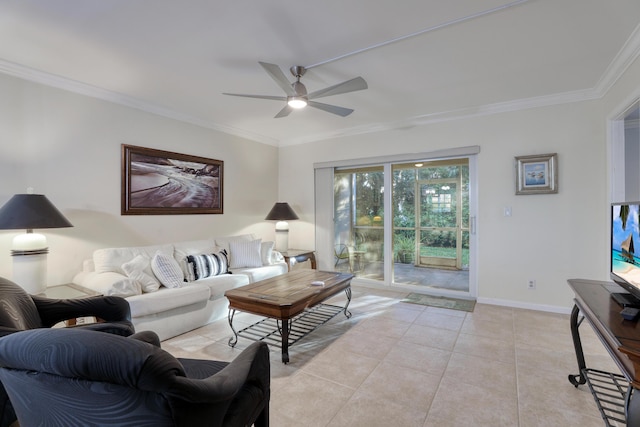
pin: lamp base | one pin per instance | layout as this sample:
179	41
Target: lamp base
282	236
29	252
30	271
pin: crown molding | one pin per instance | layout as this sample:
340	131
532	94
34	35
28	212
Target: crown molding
623	59
55	81
447	116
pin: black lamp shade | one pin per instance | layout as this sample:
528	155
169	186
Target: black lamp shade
281	212
29	211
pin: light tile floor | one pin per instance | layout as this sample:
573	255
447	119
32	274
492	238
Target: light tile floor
399	364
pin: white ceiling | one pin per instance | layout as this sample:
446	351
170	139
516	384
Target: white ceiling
177	57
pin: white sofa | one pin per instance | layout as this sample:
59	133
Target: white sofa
180	302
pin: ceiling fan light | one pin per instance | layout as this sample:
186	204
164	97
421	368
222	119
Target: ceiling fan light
297	102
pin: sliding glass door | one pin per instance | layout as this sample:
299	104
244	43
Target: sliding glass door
407	224
358	221
431	224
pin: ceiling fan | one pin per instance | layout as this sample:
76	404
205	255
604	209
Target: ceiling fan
297	96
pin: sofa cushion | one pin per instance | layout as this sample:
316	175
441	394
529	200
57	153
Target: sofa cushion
218	285
261	273
167	299
191	247
135	270
111	259
167	270
207	265
266	251
245	253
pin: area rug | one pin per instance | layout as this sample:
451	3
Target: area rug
442	302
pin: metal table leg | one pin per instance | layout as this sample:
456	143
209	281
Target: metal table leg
346	311
284	333
578	379
234	339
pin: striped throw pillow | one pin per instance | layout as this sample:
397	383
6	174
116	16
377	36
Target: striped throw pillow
207	265
245	254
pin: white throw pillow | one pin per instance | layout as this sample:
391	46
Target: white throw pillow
223	242
135	270
124	288
245	254
266	250
111	259
167	270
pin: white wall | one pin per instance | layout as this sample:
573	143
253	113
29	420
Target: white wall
68	147
549	238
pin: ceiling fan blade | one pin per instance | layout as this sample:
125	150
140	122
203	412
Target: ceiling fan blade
275	98
278	76
284	112
334	109
357	83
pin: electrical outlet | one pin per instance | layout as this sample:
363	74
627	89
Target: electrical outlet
531	284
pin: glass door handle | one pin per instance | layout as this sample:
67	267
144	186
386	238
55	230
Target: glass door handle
472	224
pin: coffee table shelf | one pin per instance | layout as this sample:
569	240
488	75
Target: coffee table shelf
269	330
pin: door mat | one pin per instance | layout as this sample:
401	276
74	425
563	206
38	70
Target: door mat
442	302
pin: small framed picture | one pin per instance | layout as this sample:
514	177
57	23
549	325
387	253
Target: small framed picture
537	174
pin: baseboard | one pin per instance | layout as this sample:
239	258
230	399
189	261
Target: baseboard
525	305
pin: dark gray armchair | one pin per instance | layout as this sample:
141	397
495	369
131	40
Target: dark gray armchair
20	311
72	377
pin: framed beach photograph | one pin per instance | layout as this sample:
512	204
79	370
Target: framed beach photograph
156	182
537	174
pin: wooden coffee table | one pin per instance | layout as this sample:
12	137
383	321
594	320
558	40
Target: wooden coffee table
291	305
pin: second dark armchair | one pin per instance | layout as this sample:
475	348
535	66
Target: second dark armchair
72	377
20	311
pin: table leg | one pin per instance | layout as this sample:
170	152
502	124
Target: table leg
234	339
312	258
578	379
346	311
284	333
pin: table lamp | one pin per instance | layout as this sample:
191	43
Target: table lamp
282	213
29	250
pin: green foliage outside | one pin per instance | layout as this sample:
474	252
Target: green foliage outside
439	186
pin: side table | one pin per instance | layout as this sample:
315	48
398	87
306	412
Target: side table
299	255
68	291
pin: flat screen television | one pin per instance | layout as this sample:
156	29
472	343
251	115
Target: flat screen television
625	261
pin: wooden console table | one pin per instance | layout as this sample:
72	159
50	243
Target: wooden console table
617	396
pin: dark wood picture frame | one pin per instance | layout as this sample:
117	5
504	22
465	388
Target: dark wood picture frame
157	182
